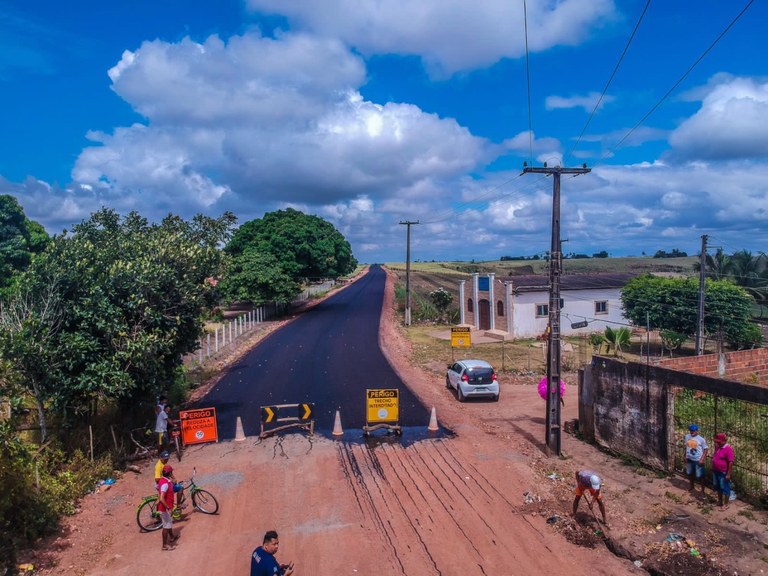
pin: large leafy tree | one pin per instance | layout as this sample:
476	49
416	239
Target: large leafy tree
125	299
305	246
20	238
671	304
258	277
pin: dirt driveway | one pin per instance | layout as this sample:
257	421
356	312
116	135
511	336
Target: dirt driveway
487	501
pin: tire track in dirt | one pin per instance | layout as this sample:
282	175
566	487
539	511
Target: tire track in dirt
417	498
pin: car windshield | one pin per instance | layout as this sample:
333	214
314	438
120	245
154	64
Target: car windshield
480	375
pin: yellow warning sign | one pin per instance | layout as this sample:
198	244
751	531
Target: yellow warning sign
383	405
461	336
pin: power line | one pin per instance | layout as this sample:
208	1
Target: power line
528	78
676	84
607	84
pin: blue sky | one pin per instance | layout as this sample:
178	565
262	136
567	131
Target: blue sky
368	113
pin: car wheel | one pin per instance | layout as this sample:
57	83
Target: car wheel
447	382
460	394
496	398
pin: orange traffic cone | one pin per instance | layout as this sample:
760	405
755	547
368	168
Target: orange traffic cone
337	431
239	433
433	427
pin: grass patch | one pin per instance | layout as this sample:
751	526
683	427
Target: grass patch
674	497
747	514
436	353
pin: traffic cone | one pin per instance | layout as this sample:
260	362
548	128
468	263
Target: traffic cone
337	431
433	427
239	433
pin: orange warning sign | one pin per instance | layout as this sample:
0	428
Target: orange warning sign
198	426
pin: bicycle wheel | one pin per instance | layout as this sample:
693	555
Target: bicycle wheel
178	447
205	502
147	516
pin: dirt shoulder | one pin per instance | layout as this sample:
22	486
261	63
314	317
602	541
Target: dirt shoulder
487	501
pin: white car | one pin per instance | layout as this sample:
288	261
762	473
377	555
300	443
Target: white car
472	379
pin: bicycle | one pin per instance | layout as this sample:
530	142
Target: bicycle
148	518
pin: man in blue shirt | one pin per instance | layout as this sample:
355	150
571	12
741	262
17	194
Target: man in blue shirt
695	455
263	562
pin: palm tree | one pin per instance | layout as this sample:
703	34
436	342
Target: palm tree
751	273
742	268
715	267
617	338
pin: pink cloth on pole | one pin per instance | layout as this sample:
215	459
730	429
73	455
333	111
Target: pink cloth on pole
543	388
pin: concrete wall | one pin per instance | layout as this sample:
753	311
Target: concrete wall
629	406
629	410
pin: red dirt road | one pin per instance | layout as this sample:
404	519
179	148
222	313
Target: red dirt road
476	504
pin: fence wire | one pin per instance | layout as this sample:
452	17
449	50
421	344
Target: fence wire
745	424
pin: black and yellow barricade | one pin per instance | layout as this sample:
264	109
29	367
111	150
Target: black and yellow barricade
382	410
284	416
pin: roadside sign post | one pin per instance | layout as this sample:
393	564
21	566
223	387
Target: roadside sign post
461	337
382	410
198	426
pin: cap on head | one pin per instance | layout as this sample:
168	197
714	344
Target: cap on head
164	455
693	427
594	481
720	437
167	469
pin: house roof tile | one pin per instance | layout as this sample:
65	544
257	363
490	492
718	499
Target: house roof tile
540	282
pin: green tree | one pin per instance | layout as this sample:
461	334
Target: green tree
751	273
671	304
617	339
305	246
672	340
675	253
441	299
257	277
30	322
125	300
743	268
715	266
20	238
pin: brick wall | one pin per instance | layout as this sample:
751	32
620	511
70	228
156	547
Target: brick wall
749	366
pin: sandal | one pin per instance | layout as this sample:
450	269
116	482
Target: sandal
166	548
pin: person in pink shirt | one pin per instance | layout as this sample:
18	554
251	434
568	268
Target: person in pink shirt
722	466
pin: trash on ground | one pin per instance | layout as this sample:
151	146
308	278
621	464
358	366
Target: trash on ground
675	537
530	498
553	519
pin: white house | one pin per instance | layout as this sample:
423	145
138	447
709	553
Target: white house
518	306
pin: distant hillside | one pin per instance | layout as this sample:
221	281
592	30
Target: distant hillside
637	265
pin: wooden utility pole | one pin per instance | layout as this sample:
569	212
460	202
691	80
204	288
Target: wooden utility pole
553	341
408	271
702	283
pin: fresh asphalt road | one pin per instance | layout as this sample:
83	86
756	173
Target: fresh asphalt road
327	356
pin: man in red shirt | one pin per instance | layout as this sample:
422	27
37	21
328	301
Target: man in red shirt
722	465
165	507
588	482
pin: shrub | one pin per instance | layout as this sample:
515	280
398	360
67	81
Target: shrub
39	488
